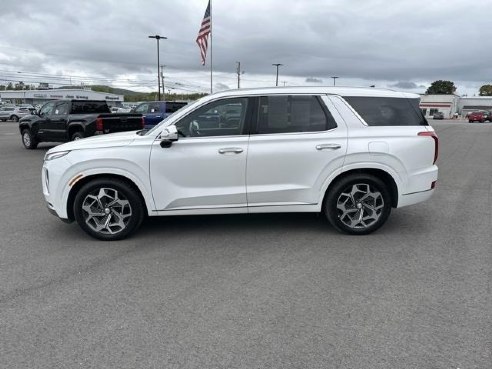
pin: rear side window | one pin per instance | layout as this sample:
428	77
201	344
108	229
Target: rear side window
172	107
388	111
89	107
290	113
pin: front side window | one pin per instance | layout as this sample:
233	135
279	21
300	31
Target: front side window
61	109
290	113
46	109
142	109
388	111
219	118
154	108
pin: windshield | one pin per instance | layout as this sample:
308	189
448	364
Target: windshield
183	110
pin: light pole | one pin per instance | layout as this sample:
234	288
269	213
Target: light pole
334	78
157	37
277	65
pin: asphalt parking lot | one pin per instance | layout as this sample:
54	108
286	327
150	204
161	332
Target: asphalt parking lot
255	291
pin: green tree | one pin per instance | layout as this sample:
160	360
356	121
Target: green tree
486	90
441	88
10	86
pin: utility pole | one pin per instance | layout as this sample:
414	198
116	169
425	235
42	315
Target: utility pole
163	89
238	71
157	38
277	65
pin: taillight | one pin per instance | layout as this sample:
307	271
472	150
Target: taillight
436	142
143	123
99	124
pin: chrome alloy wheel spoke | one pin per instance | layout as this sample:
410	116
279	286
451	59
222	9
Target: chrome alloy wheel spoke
106	211
360	206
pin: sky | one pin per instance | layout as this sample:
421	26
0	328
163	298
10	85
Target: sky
399	44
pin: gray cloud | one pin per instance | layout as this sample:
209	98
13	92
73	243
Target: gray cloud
371	40
405	85
313	80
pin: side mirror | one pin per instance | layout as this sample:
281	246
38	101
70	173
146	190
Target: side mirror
168	136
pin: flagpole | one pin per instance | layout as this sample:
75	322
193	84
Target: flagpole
211	47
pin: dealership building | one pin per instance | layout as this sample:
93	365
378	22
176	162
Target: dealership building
451	104
35	97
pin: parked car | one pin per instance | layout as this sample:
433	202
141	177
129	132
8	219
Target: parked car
13	113
438	115
352	154
155	111
68	120
478	116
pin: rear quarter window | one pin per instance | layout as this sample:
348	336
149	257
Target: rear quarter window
388	111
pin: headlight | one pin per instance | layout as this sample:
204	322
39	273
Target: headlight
55	155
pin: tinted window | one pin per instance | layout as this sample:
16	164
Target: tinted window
286	113
154	108
47	108
142	109
214	119
388	111
90	107
61	109
172	107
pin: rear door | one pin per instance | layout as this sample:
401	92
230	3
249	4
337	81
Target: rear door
296	145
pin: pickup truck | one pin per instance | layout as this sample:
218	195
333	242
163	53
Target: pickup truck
155	111
69	120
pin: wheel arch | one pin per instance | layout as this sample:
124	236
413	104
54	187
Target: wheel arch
386	177
75	127
84	180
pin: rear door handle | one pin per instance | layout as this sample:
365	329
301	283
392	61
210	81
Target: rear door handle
230	150
328	147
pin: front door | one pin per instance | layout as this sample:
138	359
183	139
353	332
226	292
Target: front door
206	168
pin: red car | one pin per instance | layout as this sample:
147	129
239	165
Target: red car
479	116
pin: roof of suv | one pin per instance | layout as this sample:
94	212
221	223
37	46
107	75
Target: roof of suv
342	91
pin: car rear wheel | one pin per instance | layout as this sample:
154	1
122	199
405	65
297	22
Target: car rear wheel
15	118
77	136
358	204
29	140
108	209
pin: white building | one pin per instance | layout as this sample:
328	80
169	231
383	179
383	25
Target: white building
469	104
35	97
446	104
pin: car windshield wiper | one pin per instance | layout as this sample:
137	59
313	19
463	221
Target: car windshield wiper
142	131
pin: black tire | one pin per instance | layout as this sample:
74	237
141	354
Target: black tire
28	139
350	193
100	195
15	118
77	136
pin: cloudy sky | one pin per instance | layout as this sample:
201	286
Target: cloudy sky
404	44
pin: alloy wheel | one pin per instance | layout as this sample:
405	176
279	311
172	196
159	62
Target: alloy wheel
106	211
360	206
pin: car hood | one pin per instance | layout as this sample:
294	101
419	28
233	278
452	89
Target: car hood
97	142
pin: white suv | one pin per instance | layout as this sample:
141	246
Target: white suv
350	153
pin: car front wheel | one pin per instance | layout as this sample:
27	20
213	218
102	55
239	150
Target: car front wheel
358	204
28	140
108	209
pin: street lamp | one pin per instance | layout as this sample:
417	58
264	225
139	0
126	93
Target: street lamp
277	65
157	37
334	78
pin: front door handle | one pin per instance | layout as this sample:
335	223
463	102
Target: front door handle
328	147
230	150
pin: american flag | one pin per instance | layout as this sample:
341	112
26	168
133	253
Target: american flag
202	38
